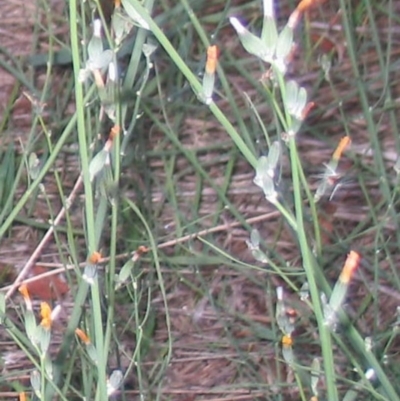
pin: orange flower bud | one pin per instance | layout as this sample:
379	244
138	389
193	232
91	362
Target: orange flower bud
350	266
83	336
343	144
212	59
114	132
287	341
23	289
304	5
45	313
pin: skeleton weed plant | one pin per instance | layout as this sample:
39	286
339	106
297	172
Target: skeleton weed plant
290	104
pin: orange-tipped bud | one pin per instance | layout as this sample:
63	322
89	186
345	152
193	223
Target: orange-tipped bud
343	144
304	5
212	59
23	289
350	266
83	336
114	132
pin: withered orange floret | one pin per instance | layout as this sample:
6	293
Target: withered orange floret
142	249
45	313
95	258
287	341
306	110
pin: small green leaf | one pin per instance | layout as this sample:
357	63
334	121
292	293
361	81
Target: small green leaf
304	292
315	375
114	382
274	156
396	166
269	35
330	315
30	326
95	48
90	274
95	45
34	166
338	295
48	365
2	307
97	164
121	25
208	88
326	64
36	382
134	15
397	322
282	319
92	352
294	127
301	102
291	95
255	238
284	44
100	61
125	272
264	179
44	336
259	255
148	49
288	354
252	44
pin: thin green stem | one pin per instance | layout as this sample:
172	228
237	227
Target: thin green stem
92	237
309	268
